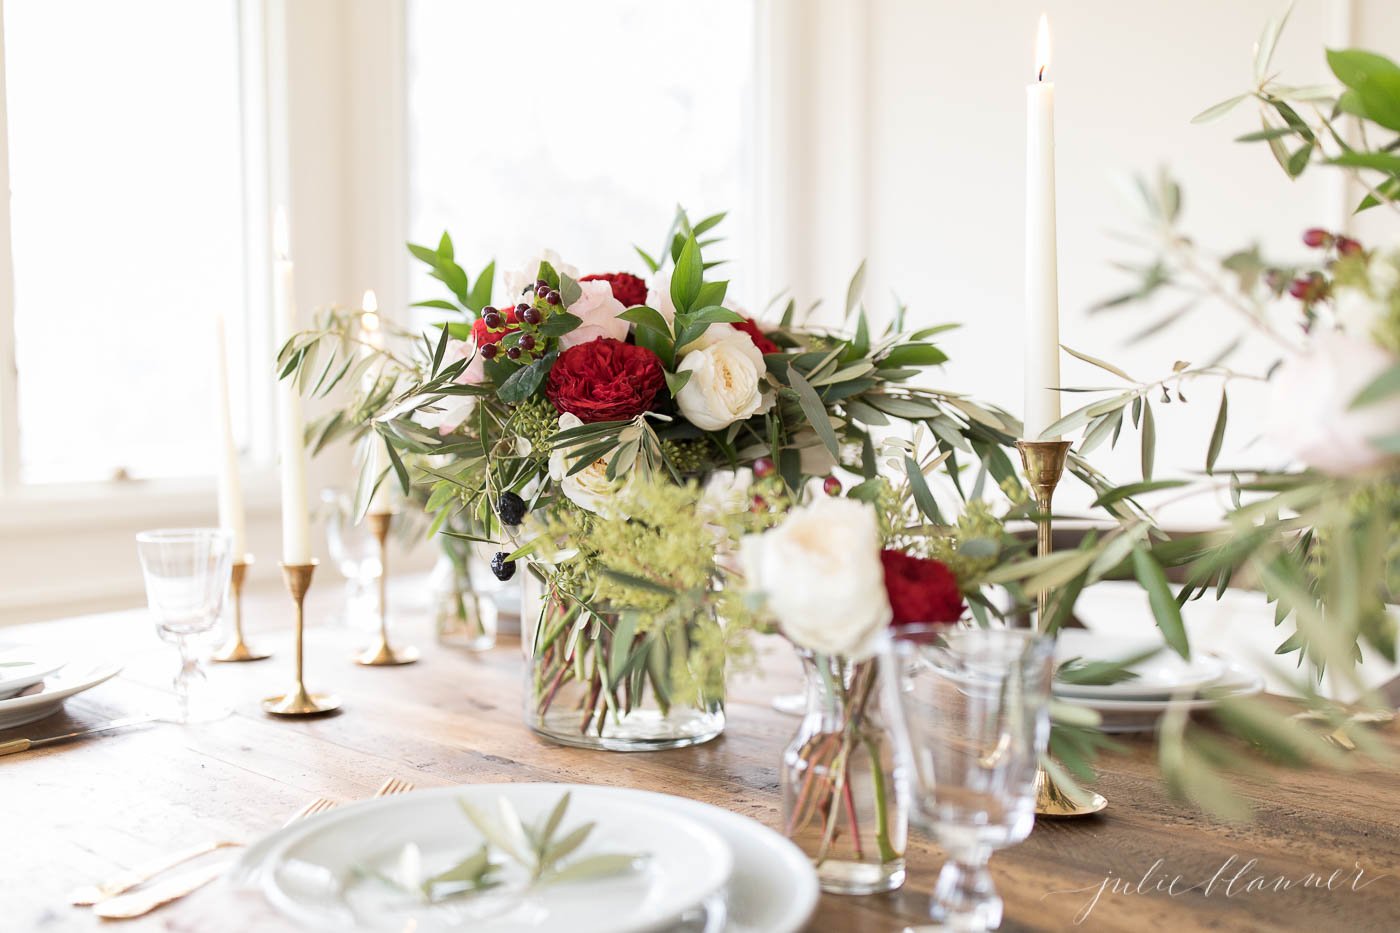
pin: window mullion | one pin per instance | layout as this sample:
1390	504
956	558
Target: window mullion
9	395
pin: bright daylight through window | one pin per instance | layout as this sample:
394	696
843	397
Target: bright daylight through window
585	152
127	230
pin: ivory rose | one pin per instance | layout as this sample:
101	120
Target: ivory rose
820	571
589	488
659	294
726	379
599	311
1310	413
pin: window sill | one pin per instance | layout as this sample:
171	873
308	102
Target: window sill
68	507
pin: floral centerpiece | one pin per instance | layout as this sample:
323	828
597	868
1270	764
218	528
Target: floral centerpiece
600	428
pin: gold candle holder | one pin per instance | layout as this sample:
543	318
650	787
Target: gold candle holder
381	653
297	701
1044	462
236	649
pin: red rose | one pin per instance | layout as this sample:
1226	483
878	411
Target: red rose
920	590
605	380
626	287
483	336
759	338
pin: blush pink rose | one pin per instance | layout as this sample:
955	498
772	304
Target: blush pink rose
599	311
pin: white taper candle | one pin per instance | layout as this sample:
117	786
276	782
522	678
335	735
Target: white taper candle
1042	331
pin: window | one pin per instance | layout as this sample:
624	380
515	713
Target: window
127	233
578	127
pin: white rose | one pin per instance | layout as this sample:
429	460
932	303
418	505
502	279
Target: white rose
820	570
1310	413
599	311
659	294
726	379
726	493
589	488
517	279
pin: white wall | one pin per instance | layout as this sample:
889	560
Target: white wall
939	156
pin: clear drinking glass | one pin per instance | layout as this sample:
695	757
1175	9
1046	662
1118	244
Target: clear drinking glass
355	552
970	715
187	577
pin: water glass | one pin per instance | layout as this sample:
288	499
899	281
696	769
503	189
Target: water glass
970	716
187	577
355	552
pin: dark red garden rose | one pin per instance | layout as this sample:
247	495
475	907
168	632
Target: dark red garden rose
626	287
759	338
920	590
482	335
605	380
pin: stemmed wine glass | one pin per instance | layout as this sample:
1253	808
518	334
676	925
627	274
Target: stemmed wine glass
356	555
970	715
187	577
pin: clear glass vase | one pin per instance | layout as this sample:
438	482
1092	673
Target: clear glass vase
844	801
461	618
591	685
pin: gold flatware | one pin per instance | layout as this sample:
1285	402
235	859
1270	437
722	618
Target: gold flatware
141	903
126	905
393	786
15	746
117	884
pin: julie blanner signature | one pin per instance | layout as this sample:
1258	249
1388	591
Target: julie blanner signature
1234	878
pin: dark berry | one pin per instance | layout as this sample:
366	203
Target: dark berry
488	310
513	353
527	342
502	568
541	283
762	467
493	319
521	308
489	351
1316	237
1346	246
530	316
511	508
760	504
552	297
831	486
541	290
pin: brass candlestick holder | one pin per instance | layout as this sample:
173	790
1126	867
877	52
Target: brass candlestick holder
297	701
236	649
380	653
1044	462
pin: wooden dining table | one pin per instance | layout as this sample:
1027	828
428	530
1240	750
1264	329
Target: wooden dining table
1322	852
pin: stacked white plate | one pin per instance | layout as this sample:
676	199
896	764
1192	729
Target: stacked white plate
34	681
702	868
1164	681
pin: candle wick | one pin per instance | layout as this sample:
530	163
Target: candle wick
1040	75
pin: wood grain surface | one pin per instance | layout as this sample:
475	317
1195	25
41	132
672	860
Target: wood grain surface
77	813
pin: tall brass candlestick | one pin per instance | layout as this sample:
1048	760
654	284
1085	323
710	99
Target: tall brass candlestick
236	649
381	653
297	701
1044	462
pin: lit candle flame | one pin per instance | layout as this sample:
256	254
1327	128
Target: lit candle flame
369	316
281	235
1042	48
369	303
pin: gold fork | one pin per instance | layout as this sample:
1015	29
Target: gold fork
112	904
393	786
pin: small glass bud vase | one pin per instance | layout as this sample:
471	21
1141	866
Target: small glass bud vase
844	802
462	618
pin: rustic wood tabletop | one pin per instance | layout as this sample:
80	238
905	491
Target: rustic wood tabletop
1323	851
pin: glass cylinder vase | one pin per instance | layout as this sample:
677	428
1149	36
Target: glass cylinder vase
462	619
594	681
844	801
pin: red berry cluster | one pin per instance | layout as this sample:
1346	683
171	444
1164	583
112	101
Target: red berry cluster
496	326
1314	286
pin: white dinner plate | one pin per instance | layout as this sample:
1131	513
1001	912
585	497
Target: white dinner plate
772	887
23	666
45	699
1159	677
328	877
1123	716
